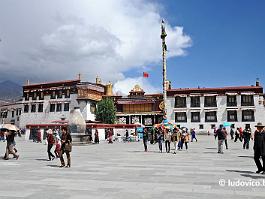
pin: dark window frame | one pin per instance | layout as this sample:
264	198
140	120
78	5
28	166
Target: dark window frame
231	100
40	108
184	115
26	108
195	101
53	95
180	102
33	108
59	94
247	100
252	115
58	107
211	114
229	114
66	108
52	107
34	96
41	95
67	93
210	101
198	114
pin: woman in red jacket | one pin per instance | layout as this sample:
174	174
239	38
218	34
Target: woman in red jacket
50	141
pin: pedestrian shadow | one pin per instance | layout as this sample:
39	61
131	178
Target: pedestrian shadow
211	148
241	171
41	159
145	152
53	166
245	156
256	176
210	152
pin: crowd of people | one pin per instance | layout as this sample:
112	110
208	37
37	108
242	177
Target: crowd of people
178	136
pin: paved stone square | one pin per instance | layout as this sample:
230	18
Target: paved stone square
123	170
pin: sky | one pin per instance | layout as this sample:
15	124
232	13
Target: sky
211	43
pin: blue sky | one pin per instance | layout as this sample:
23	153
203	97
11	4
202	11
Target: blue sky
118	40
228	43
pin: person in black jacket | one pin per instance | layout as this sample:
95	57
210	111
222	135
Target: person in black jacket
65	139
259	147
246	138
221	138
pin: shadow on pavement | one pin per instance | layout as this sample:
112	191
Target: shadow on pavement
54	166
211	148
241	171
257	176
245	156
42	159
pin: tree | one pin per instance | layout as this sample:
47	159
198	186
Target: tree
106	111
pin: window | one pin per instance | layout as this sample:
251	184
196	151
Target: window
181	117
41	96
26	108
195	117
231	100
66	107
52	107
67	94
59	107
33	108
40	108
59	94
232	116
213	126
201	126
248	116
13	113
93	108
17	111
210	101
34	96
180	102
26	97
247	100
195	101
210	116
53	96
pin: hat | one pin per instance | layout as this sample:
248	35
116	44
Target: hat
259	124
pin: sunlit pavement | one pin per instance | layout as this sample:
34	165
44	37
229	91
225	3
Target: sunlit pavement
125	171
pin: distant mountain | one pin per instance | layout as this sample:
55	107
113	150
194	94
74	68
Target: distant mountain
10	91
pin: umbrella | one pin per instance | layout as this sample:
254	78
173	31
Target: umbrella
226	124
10	127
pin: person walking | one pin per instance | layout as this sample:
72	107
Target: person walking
145	139
186	138
10	144
96	137
180	140
126	136
193	135
66	140
167	135
259	147
160	139
221	138
175	139
246	138
237	135
58	145
50	143
226	136
232	132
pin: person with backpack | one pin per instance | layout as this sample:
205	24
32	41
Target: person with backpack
237	134
221	138
50	142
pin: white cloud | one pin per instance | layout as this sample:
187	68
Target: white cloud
57	40
126	85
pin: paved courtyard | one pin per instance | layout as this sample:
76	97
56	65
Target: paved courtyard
124	171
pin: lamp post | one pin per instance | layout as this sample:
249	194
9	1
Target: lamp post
164	50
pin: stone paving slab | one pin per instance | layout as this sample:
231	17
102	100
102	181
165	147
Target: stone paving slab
123	170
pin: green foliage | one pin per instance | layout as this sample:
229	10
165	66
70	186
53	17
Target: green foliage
106	111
